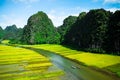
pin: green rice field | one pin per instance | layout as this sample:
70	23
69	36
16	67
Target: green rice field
103	61
18	63
21	64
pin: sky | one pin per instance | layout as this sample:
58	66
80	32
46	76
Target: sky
18	11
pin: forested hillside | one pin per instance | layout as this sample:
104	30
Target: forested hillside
66	26
1	33
96	31
11	33
112	42
39	30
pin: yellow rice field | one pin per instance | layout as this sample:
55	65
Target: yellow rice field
104	61
21	64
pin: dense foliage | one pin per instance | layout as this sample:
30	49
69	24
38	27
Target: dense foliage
95	31
18	36
66	26
1	33
71	35
112	42
39	30
11	33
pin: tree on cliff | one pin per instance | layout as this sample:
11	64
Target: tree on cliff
39	30
89	30
67	23
10	32
112	43
1	33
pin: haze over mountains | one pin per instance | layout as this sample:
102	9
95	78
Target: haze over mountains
97	31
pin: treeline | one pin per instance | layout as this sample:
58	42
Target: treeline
96	31
39	30
11	33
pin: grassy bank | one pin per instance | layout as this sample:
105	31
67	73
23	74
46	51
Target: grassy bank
104	61
21	64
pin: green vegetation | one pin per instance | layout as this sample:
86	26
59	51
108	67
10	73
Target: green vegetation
11	33
39	30
96	31
21	64
112	43
104	61
5	41
1	33
66	26
88	32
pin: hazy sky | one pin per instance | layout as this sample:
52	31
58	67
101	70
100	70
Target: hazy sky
18	11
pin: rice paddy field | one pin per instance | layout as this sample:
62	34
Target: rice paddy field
22	64
18	63
103	61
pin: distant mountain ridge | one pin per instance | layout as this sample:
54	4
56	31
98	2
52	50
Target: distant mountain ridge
11	33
